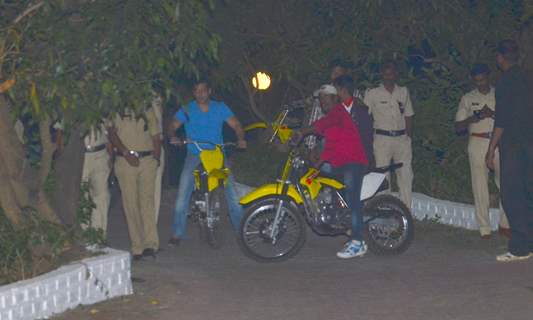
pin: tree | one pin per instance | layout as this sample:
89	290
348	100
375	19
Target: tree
82	61
435	43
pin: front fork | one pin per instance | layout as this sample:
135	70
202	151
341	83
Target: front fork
274	232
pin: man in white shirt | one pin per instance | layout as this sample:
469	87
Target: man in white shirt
392	110
475	116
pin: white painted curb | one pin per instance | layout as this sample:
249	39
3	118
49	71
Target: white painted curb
82	283
425	207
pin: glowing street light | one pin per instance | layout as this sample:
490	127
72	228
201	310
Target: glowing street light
261	81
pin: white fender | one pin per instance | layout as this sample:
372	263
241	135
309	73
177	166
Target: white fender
371	183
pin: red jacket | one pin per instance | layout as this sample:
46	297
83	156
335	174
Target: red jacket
343	141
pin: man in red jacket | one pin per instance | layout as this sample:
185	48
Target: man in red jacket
345	152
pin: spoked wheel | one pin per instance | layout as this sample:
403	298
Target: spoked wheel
256	239
197	213
213	228
389	225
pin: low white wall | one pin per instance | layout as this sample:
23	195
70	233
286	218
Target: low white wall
450	213
81	283
425	207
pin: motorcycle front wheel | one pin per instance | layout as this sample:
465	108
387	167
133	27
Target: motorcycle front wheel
214	232
255	237
209	231
388	224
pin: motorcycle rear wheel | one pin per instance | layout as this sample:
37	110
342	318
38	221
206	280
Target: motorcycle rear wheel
254	237
390	227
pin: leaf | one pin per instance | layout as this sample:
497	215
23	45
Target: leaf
6	85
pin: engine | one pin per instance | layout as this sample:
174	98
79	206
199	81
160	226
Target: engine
332	216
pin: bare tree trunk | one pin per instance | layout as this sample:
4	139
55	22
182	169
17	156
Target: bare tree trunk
48	148
68	170
7	197
253	105
12	153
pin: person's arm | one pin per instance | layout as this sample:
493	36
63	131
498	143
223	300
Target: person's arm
154	129
156	142
409	113
409	126
123	151
497	134
235	124
462	126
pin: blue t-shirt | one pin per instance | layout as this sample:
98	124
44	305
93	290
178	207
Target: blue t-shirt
204	126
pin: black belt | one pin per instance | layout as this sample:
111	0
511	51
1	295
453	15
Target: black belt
91	149
138	154
390	133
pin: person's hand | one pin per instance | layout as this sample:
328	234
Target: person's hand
489	159
486	112
131	159
296	138
175	141
241	144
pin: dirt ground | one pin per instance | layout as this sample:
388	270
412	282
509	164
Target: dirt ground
446	274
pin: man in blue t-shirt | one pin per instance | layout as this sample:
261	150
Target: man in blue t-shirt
203	119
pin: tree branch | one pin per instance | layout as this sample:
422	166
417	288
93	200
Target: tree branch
28	11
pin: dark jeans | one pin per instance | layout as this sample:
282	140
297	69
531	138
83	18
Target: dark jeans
516	167
353	179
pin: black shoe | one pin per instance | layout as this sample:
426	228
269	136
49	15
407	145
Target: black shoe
149	252
174	242
137	257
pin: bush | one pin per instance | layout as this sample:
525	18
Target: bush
37	245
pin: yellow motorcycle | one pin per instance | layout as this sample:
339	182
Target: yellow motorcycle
207	197
273	225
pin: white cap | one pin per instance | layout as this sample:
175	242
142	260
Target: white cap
327	89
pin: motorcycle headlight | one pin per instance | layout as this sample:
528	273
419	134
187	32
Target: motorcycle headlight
298	162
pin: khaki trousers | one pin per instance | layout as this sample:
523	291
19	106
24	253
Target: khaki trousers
96	172
477	148
158	185
396	149
137	185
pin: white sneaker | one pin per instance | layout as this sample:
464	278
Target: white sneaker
509	257
352	249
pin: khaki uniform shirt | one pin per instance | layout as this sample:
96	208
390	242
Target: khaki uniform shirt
473	101
95	137
136	132
389	109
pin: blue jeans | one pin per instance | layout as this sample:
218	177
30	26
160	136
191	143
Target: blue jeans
353	179
185	189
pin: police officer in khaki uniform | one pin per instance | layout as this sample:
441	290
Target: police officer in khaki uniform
392	110
137	139
96	169
475	115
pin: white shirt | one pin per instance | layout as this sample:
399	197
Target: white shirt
474	101
389	109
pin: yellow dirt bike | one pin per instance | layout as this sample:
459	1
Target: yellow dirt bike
207	198
273	225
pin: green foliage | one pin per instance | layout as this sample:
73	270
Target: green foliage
88	234
261	163
84	60
38	244
24	250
